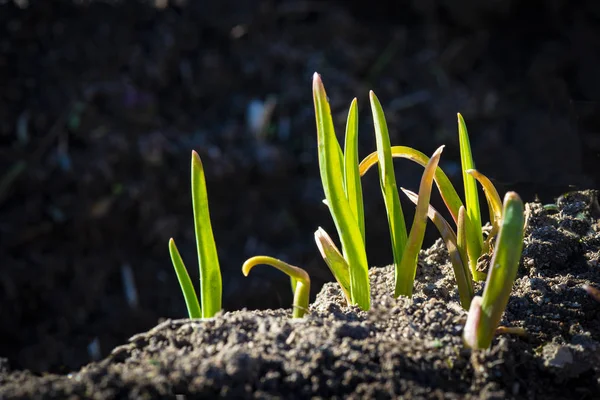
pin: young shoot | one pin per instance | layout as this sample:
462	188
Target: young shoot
299	277
405	277
486	311
208	260
342	192
335	261
458	257
473	244
473	215
387	181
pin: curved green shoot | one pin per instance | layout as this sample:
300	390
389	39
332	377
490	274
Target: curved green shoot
494	204
387	181
352	184
335	261
473	217
298	275
405	276
331	170
445	187
486	311
458	260
187	288
208	259
491	194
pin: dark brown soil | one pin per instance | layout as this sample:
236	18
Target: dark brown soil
101	103
401	347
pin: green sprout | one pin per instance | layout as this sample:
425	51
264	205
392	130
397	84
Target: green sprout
387	181
405	250
473	214
299	277
208	259
474	243
486	311
466	244
343	195
335	261
407	270
344	199
458	256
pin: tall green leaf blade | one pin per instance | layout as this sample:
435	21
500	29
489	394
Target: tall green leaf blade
503	268
486	312
408	265
352	183
445	187
331	169
473	217
208	259
187	288
387	181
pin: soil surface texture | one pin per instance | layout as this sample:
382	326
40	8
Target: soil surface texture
401	347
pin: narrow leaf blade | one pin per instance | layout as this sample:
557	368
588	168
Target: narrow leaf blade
331	169
351	176
461	242
503	268
187	288
387	181
491	194
408	265
208	259
473	217
335	261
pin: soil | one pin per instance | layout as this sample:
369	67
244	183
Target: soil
401	347
101	103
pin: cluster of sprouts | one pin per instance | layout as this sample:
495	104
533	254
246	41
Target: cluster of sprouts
341	175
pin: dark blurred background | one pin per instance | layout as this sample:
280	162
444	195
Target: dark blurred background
101	103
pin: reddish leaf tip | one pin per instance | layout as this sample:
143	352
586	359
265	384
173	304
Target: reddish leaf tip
511	196
196	156
317	79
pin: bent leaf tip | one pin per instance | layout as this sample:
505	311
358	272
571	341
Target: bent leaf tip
246	267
